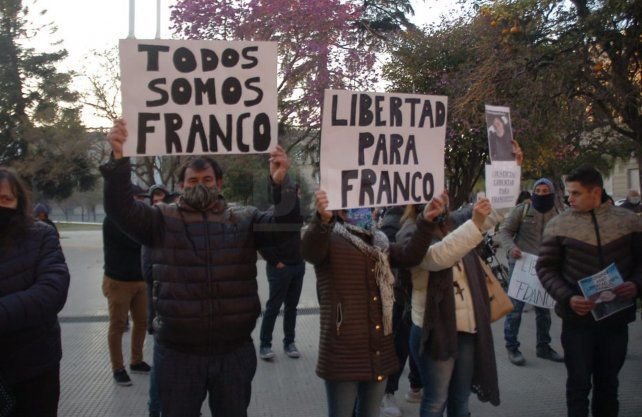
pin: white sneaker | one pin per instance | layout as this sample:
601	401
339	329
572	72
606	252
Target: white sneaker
389	407
413	396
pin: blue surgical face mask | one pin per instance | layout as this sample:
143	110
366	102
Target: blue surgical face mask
361	217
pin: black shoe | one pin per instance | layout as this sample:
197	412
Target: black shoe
121	377
140	368
550	354
154	414
516	357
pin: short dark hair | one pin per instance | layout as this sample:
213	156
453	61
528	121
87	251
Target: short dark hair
587	176
200	163
20	190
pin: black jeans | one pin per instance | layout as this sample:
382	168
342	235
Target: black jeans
184	380
401	324
37	397
593	354
285	288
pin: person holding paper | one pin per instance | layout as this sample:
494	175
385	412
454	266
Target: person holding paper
522	231
203	255
355	290
451	339
576	244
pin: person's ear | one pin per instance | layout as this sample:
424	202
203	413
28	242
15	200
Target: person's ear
181	186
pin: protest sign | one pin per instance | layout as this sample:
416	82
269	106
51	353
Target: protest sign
525	286
500	133
382	149
503	183
599	289
198	97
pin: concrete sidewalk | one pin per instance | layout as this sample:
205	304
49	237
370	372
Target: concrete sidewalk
289	387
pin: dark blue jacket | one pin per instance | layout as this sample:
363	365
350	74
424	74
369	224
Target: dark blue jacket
122	254
34	280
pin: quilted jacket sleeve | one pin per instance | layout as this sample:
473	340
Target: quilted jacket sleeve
549	268
41	301
135	218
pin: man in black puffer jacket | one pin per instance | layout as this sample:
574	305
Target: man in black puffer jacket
203	255
579	243
34	280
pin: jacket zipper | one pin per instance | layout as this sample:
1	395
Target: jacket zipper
339	318
209	280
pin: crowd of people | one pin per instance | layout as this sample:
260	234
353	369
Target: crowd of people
406	287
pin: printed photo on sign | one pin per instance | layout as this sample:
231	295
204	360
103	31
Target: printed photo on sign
183	97
599	289
500	133
503	183
382	149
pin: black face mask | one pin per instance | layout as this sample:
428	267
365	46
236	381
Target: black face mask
543	203
7	216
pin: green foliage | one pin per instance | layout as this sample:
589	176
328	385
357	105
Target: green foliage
40	129
555	65
440	61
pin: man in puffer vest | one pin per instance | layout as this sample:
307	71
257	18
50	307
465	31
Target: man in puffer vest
203	255
577	244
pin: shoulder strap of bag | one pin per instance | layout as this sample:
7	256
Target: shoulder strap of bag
521	219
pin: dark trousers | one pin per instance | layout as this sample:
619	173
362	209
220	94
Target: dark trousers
593	355
37	397
285	289
184	380
401	323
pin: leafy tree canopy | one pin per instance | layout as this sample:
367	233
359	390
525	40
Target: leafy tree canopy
40	129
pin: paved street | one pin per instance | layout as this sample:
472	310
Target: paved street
287	387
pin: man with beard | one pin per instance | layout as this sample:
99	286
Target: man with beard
203	255
34	280
522	231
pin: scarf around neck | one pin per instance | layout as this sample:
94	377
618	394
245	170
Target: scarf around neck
383	274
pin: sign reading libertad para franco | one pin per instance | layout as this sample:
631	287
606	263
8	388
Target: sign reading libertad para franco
198	97
382	149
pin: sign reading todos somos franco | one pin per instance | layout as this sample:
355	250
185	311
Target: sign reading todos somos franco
198	97
382	149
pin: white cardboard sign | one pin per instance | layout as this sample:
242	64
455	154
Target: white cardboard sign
382	149
503	183
184	97
525	286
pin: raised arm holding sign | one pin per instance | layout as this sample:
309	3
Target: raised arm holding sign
188	240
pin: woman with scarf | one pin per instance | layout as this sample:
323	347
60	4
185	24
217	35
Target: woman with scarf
451	339
34	280
355	291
